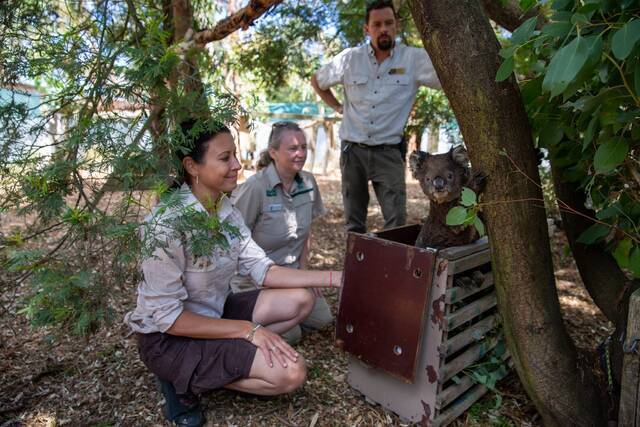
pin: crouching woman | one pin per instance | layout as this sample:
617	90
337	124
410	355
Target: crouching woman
193	333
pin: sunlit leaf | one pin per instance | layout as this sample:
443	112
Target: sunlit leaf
565	66
456	216
622	252
468	197
478	224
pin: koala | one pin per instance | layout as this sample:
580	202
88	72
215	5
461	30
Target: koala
442	177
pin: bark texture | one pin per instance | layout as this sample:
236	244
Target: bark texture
464	50
509	15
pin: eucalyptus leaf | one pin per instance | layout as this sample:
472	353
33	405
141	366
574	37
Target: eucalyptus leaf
551	134
625	38
593	234
634	261
468	197
524	31
527	4
565	66
505	70
590	132
507	52
479	225
557	29
561	4
636	78
622	252
456	216
579	18
610	154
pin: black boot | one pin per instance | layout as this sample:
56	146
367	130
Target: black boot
182	410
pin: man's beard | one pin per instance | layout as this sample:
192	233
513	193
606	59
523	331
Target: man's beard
385	42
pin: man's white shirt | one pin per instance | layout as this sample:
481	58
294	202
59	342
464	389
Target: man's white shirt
378	97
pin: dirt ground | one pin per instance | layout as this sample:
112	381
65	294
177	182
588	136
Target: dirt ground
49	380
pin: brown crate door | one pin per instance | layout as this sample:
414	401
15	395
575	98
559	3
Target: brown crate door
383	303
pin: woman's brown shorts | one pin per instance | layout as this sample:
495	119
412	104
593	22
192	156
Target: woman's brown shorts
198	365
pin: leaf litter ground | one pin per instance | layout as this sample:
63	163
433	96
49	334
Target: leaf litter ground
50	380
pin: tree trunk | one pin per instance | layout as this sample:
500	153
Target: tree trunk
605	282
464	51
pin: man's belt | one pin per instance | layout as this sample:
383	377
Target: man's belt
374	147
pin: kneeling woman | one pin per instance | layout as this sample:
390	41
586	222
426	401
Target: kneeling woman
192	332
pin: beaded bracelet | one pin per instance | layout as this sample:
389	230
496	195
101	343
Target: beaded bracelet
250	335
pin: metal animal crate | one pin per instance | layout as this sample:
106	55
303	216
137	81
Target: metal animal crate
412	323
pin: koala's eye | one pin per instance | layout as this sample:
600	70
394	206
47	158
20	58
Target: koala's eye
426	178
449	175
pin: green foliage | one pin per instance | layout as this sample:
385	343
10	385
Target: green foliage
75	159
71	300
491	369
431	109
280	46
468	213
582	94
175	220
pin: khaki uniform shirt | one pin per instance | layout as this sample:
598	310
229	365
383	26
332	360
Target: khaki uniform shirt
378	97
174	280
279	221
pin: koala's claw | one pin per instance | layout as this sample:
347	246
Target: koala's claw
479	181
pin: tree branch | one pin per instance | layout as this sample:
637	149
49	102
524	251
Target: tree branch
241	19
509	15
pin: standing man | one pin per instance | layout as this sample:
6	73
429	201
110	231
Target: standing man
380	82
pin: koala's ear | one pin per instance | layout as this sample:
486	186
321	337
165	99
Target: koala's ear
416	160
459	155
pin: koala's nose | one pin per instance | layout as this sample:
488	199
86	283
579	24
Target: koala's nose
438	183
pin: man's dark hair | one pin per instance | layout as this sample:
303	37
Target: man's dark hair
379	4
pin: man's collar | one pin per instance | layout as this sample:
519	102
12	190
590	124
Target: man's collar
372	52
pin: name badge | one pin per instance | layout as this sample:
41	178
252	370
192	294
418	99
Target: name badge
271	192
274	207
396	71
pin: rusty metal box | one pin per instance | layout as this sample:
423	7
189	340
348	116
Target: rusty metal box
412	322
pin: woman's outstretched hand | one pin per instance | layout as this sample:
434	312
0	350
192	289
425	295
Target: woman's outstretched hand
273	346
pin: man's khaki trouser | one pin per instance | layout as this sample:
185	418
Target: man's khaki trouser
385	168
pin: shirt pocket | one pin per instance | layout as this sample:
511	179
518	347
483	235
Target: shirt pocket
396	87
200	276
356	85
